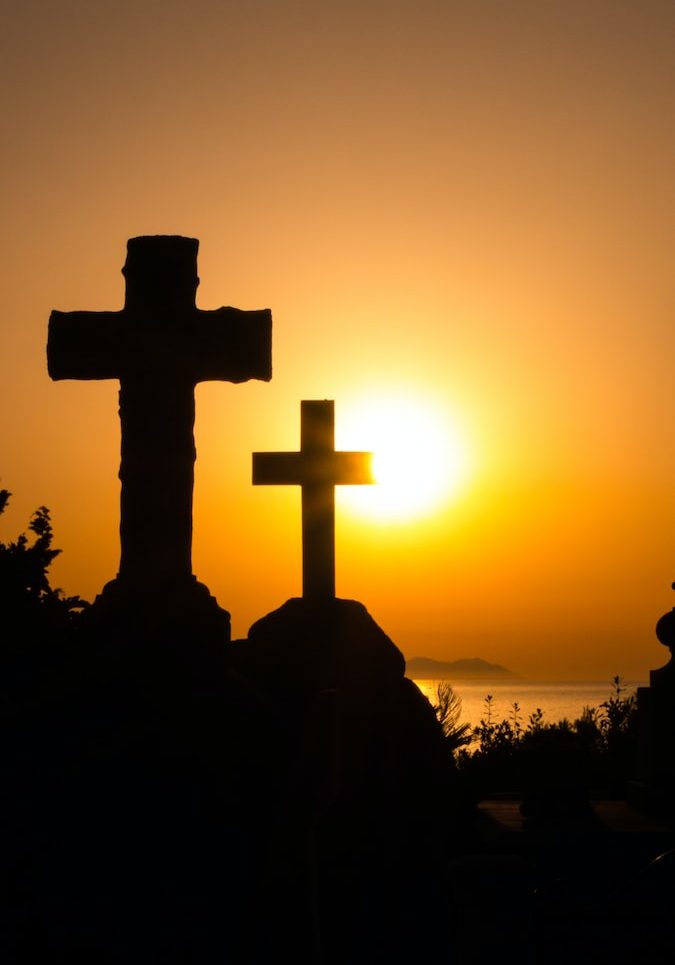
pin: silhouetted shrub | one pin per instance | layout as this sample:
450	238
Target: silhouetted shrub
28	604
448	709
592	751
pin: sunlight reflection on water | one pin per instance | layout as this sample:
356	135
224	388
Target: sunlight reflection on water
558	699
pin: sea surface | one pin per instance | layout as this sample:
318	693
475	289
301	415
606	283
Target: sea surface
557	699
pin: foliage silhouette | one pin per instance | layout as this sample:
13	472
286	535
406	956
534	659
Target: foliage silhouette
601	738
448	709
27	600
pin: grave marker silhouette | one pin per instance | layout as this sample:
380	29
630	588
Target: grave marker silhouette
159	346
317	468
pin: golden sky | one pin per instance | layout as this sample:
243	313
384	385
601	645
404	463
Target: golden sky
466	205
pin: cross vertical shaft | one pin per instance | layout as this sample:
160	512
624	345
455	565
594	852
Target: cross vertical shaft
317	440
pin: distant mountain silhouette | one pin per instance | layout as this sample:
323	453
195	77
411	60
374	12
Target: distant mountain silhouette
472	668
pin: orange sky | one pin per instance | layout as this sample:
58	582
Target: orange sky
465	202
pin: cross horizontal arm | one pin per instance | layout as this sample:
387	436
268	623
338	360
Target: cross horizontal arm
226	344
305	469
85	345
232	345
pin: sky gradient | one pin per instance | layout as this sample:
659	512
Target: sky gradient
469	204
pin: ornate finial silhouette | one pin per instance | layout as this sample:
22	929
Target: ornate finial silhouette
665	629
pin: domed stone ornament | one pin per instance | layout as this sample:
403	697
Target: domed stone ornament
665	633
665	629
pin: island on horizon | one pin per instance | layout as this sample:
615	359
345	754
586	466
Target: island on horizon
468	668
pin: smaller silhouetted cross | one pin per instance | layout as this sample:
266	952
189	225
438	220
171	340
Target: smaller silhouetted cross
317	468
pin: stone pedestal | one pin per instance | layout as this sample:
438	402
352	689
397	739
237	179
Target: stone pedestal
183	609
367	787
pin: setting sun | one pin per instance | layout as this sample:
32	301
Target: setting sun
419	462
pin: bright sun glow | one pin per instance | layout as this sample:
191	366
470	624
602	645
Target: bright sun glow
420	459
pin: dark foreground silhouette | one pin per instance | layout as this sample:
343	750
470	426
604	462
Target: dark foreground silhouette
285	796
194	801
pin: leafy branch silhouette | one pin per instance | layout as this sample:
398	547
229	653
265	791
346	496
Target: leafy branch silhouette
26	596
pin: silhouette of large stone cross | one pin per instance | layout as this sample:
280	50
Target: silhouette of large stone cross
159	346
317	468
